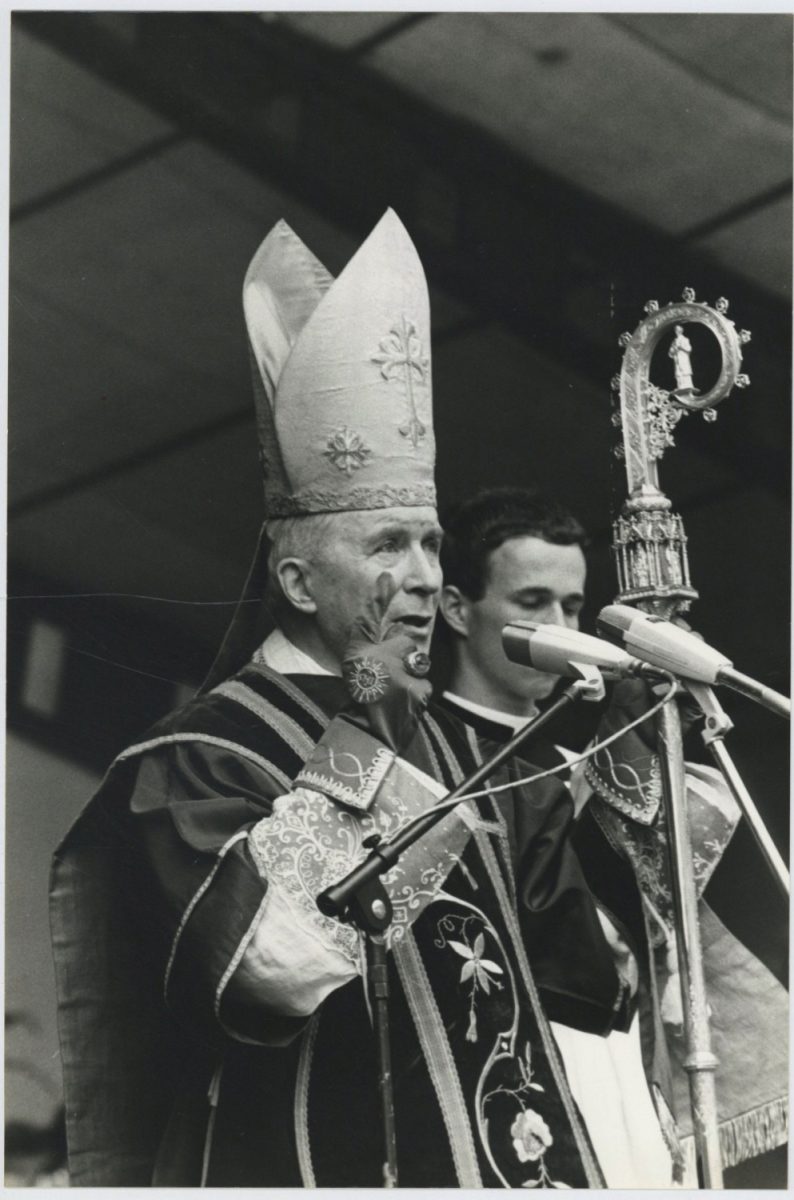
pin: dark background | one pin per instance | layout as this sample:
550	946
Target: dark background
556	171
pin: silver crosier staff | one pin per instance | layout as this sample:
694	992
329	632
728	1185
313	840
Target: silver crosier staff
650	550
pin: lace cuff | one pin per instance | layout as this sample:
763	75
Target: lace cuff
310	842
290	963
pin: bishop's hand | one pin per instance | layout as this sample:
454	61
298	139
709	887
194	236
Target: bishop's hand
384	672
632	697
626	774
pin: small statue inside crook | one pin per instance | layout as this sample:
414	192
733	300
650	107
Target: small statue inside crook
680	351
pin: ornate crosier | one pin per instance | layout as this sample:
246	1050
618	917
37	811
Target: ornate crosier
649	543
663	416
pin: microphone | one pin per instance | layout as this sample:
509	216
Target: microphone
557	650
676	650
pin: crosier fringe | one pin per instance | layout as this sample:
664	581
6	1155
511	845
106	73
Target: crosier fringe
748	1135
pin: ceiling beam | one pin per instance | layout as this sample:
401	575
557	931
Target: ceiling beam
736	212
143	457
564	270
381	36
108	170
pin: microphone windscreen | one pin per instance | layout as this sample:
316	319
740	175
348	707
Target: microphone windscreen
553	648
662	643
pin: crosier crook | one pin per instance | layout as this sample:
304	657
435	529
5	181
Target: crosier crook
649	545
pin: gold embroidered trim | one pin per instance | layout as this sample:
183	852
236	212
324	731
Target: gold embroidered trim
213	1095
670	1134
440	1061
292	733
294	692
301	1107
186	915
648	791
370	778
501	830
235	962
206	738
431	754
354	499
595	1178
592	1169
450	758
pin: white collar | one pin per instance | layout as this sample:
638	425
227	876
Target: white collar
491	714
282	655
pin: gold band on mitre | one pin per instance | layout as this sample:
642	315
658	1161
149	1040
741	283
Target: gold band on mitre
342	375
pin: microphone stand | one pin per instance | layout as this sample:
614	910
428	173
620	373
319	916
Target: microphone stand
717	724
361	898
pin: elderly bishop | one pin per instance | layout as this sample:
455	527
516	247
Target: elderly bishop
215	1026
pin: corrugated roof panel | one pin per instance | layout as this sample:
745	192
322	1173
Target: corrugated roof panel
65	121
145	271
758	246
592	103
506	413
747	54
190	522
342	29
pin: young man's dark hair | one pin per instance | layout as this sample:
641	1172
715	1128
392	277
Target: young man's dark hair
478	526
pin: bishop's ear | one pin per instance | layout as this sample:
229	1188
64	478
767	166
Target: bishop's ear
455	609
295	578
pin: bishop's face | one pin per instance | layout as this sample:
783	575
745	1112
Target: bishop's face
403	542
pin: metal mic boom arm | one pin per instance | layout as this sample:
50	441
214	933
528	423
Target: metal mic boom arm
716	725
355	898
766	696
682	652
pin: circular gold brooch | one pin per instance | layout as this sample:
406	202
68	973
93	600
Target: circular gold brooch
367	679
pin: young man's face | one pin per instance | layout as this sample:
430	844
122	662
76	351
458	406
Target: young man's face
527	579
405	543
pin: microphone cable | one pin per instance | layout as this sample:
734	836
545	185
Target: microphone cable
564	766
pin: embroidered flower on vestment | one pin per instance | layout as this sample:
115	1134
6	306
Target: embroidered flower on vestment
481	971
476	966
346	450
531	1136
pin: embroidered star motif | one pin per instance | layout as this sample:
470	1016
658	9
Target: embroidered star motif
400	355
346	450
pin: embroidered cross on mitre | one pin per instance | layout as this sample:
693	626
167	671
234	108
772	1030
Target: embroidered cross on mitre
400	355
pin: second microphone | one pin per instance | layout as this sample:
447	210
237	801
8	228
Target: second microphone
556	650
